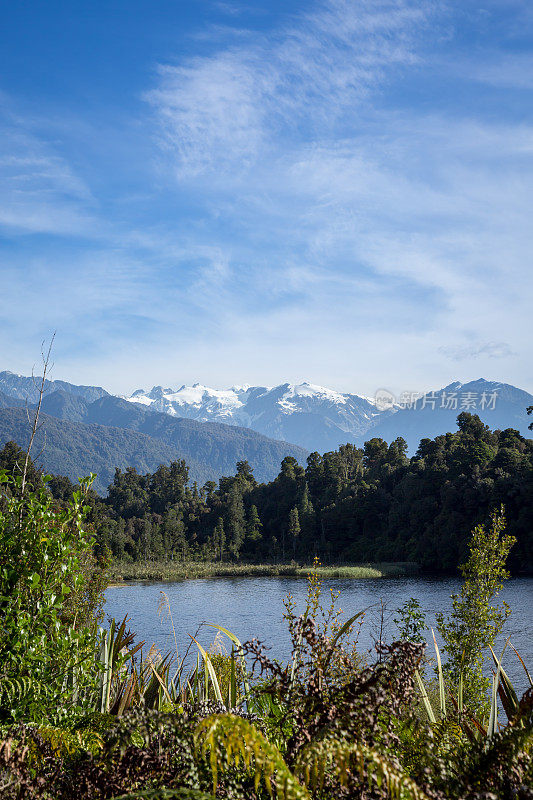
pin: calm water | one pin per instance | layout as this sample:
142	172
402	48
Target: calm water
252	608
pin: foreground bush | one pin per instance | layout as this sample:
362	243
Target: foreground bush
50	593
85	715
320	739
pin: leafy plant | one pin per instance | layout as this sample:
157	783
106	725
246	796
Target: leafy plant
229	740
411	621
333	713
473	623
46	647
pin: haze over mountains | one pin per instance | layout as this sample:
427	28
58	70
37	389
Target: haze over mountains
81	434
312	416
322	419
88	429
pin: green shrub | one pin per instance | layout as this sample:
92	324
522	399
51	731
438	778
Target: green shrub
474	622
47	633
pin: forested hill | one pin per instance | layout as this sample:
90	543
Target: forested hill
114	433
352	504
74	450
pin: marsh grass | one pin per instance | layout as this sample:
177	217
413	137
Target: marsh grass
176	571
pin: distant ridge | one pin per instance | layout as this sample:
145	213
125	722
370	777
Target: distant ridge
499	405
82	435
213	429
75	450
27	387
322	419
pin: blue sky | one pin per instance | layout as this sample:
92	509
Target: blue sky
235	192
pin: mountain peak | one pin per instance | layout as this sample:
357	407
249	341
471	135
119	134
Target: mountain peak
320	418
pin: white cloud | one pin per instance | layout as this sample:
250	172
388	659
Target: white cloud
489	349
344	220
508	71
311	228
222	112
210	110
40	191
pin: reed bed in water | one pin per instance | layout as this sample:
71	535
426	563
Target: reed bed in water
175	571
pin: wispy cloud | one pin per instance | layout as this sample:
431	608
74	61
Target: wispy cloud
324	204
225	111
489	349
40	191
508	71
378	220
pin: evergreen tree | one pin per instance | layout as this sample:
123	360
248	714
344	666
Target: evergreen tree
307	516
294	528
173	533
13	458
219	539
253	525
306	506
143	531
371	504
207	490
245	475
236	523
128	494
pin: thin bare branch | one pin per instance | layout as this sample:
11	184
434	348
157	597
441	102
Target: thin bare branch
35	425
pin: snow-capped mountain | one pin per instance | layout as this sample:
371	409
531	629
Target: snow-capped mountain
312	416
195	402
304	414
85	429
499	405
321	419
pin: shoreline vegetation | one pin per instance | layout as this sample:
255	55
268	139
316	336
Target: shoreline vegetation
354	506
85	713
121	573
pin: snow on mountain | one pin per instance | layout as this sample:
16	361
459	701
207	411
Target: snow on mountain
291	399
321	419
314	416
195	402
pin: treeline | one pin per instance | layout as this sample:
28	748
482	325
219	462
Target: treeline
351	505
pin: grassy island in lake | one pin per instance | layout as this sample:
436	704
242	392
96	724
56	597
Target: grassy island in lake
175	571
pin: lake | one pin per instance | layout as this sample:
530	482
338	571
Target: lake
252	608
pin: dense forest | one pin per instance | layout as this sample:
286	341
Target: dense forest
79	437
350	505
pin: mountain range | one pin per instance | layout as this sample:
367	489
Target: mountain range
322	419
312	416
85	428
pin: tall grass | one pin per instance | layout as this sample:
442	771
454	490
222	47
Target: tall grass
130	679
176	571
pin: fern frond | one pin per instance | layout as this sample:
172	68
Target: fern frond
447	732
65	743
345	758
13	688
229	740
